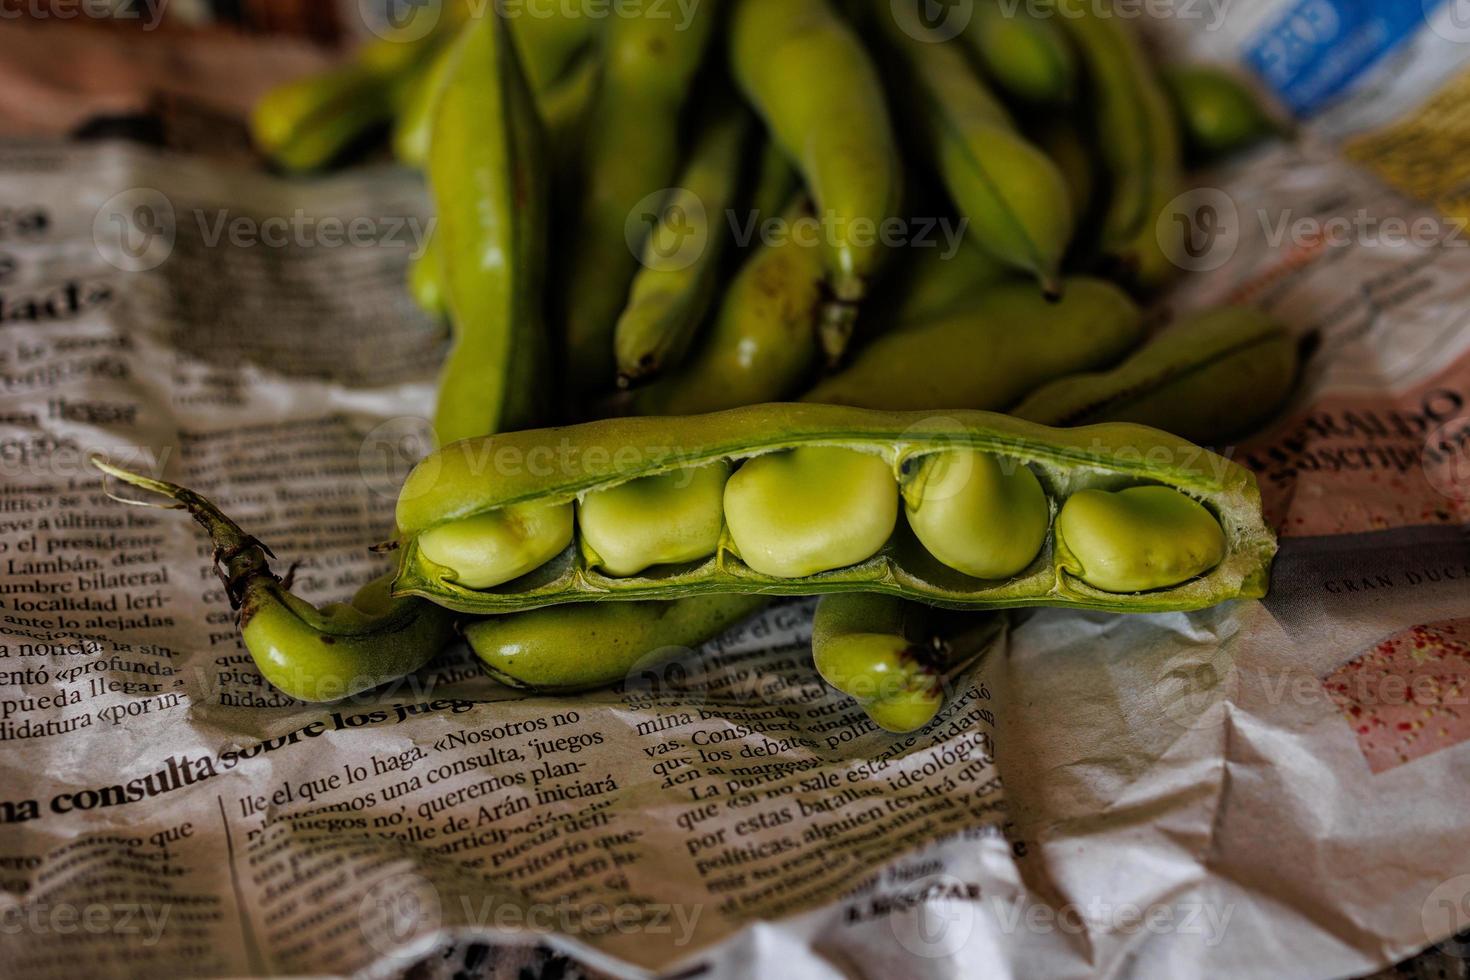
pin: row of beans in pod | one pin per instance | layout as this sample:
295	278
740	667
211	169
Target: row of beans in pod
806	499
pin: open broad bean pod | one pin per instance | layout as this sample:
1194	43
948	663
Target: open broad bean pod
963	510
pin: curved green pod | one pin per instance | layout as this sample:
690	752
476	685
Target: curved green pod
1013	194
426	281
548	41
807	74
567	649
1062	139
1027	55
1208	378
879	649
415	122
1218	113
936	282
557	466
305	124
309	653
1139	139
763	342
489	183
630	151
681	261
991	352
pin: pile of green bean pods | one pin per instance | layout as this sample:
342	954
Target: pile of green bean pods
661	406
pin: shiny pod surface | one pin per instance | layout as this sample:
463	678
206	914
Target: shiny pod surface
1209	377
591	645
551	467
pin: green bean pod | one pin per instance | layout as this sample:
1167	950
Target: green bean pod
870	647
1219	115
631	151
1062	139
564	109
308	653
807	74
426	280
993	351
1027	55
549	42
1014	195
414	124
583	647
1138	137
304	125
936	282
763	341
1217	375
490	190
812	508
1211	377
772	187
681	257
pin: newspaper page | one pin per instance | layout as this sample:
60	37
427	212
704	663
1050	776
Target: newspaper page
1269	785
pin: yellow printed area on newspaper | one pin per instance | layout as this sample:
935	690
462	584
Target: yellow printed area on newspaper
1424	154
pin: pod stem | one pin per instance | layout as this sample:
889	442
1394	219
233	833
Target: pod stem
238	557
